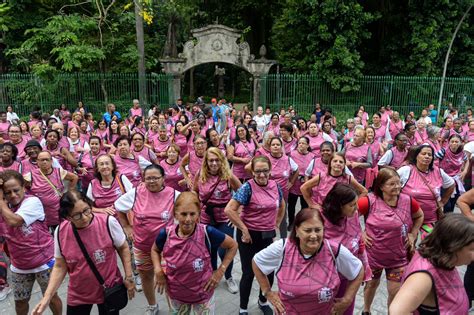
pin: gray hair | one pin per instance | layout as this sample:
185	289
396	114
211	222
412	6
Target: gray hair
432	131
268	135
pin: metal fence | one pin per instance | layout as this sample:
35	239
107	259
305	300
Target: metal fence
27	91
404	94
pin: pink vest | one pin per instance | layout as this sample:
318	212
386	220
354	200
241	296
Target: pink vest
105	197
469	136
83	287
395	128
102	134
347	233
48	195
136	112
274	128
87	161
289	146
389	226
398	157
421	136
326	183
447	284
375	149
261	212
188	265
21	148
130	168
152	136
144	153
221	195
30	246
319	166
436	146
262	152
56	153
27	166
4	130
182	142
161	146
281	171
416	188
151	213
173	174
380	133
195	163
242	150
452	162
308	286
303	161
357	154
16	166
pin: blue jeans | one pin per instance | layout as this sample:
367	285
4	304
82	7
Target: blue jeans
228	230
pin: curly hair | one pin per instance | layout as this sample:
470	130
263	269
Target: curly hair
224	172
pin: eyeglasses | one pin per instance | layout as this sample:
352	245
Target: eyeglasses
265	172
79	215
200	143
152	179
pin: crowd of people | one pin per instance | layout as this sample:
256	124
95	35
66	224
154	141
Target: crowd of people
173	193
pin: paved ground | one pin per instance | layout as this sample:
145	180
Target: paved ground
227	303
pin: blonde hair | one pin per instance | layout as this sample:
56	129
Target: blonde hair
224	171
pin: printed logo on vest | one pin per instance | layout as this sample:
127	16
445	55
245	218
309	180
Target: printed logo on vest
404	229
198	265
355	245
165	215
99	256
26	229
118	192
325	295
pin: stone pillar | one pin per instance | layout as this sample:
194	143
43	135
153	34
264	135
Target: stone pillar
176	86
256	92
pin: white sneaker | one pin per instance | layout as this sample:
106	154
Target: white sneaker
4	292
138	283
232	286
152	310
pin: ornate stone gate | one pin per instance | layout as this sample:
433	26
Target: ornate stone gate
217	43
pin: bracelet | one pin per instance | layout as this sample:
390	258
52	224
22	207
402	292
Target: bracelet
129	279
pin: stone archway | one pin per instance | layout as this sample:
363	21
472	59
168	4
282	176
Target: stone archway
217	43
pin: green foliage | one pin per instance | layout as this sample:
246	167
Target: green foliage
323	36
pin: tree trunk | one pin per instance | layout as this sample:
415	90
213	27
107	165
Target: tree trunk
191	83
141	54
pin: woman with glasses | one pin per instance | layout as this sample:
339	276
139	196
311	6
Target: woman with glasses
127	163
214	185
47	183
193	160
148	220
139	148
28	239
240	152
262	212
395	157
101	235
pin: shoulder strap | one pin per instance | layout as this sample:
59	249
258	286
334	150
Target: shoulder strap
119	181
426	183
87	257
207	239
330	250
212	192
56	190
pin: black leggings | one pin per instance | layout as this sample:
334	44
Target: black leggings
247	251
469	282
292	200
85	309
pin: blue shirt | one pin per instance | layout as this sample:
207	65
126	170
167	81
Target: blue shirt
108	118
433	116
244	193
216	112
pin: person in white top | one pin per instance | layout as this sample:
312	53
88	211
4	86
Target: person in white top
425	117
11	115
260	119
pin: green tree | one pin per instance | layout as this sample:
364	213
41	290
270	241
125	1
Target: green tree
322	36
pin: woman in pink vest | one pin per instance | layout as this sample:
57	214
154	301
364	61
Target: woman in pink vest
321	163
470	132
315	190
263	210
392	222
240	152
302	157
420	134
454	161
342	225
171	165
112	136
315	138
8	161
107	186
102	131
161	143
395	157
14	134
214	185
431	284
358	155
152	206
103	239
274	124
28	239
381	130
265	147
181	136
192	161
127	163
435	138
377	149
47	183
422	180
139	148
289	142
86	162
181	257
308	269
58	150
395	125
349	131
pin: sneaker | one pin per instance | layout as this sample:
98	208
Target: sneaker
232	286
152	310
4	292
266	309
138	283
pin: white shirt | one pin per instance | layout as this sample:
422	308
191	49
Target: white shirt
426	120
469	147
12	116
115	229
269	260
386	159
404	173
261	122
